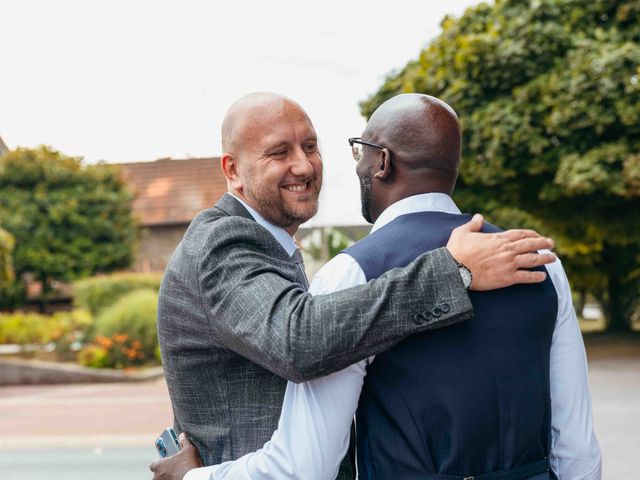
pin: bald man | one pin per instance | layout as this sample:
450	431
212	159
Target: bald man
234	320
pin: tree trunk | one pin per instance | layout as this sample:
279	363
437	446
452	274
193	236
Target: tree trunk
44	294
582	301
617	320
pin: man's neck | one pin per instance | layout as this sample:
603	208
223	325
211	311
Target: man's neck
394	196
423	202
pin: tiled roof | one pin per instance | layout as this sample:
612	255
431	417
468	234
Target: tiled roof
173	191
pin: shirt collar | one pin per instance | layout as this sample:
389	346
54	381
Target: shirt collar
425	202
279	233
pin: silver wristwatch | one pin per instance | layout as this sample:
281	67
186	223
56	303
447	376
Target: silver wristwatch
465	274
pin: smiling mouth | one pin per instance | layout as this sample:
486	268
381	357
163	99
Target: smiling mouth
297	188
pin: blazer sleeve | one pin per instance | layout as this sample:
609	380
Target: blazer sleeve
256	309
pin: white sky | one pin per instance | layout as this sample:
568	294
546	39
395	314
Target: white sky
135	80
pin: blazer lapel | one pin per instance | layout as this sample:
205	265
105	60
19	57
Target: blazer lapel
232	207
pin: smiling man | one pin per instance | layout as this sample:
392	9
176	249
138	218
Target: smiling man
266	129
234	319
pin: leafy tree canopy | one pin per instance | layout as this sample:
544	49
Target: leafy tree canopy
69	220
548	93
6	263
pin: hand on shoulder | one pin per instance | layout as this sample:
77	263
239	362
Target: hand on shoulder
498	260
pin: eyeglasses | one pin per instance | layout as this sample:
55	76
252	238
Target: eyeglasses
357	147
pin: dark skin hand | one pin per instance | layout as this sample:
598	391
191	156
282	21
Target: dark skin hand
177	466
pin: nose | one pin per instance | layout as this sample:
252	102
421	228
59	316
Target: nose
301	165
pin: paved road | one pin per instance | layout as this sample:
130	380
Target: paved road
106	431
614	374
76	463
88	432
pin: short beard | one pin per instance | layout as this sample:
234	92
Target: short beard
366	194
276	212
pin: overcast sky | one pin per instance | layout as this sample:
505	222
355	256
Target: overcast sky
137	80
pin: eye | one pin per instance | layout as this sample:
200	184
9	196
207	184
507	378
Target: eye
279	153
311	147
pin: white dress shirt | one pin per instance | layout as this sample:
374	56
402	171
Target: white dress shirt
313	431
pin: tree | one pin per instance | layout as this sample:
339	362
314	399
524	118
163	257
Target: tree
69	220
7	275
548	93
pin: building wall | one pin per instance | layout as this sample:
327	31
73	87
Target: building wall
157	243
155	247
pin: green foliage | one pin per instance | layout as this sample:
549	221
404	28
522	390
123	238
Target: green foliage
326	243
133	315
548	93
7	274
33	330
94	356
69	220
97	293
125	333
117	351
24	328
70	329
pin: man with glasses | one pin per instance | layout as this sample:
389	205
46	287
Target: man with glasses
235	322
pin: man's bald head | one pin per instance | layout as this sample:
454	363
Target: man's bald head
422	131
245	112
421	139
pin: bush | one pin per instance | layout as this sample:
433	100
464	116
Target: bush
94	356
98	293
134	316
63	329
68	330
24	328
117	351
7	243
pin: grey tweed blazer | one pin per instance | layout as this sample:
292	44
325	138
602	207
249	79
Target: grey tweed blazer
234	325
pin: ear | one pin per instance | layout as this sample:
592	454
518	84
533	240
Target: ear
229	165
385	167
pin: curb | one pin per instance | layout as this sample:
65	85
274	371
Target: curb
37	372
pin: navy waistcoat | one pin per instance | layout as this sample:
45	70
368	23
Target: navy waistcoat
465	400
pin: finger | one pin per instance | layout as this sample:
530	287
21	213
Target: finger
183	439
530	260
473	225
476	223
529	245
520	233
153	466
524	276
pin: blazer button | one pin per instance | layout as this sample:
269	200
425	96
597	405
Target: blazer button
417	318
436	312
426	314
445	308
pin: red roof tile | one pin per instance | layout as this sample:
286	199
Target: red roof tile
173	191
